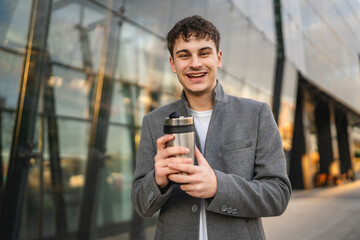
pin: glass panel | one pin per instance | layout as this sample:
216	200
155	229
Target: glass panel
10	69
152	14
260	62
235	51
261	13
232	85
310	160
217	12
7	120
355	146
141	57
14	20
117	205
76	34
287	107
141	75
73	140
29	223
329	53
32	208
71	92
184	8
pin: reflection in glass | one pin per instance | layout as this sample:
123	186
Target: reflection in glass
118	176
287	108
70	89
152	14
14	20
10	69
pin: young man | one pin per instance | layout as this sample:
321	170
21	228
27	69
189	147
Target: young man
239	175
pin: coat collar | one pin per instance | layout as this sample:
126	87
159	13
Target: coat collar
218	96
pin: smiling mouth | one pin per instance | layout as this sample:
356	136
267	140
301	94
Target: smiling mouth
196	75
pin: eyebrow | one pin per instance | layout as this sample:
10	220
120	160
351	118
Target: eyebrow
187	51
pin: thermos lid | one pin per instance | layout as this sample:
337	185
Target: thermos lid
175	120
178	124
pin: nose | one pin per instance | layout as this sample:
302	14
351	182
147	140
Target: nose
195	62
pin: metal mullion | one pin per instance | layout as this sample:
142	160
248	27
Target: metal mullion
21	150
99	127
54	154
280	60
137	226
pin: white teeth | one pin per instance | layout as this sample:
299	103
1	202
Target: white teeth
196	75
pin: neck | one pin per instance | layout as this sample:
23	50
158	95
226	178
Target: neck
201	102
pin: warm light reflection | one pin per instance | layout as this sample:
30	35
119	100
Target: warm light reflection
146	100
80	85
126	100
76	181
310	167
55	81
115	179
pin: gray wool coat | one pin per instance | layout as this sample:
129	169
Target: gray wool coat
244	148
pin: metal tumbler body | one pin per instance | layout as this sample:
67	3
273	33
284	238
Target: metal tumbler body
184	131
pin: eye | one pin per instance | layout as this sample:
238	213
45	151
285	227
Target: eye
204	53
183	55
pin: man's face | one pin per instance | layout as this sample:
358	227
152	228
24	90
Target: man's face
195	62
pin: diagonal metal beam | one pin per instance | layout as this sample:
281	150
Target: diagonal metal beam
94	179
21	149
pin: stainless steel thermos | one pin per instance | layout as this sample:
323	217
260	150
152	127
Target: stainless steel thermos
184	131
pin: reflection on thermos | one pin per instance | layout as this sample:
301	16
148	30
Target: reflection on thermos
184	131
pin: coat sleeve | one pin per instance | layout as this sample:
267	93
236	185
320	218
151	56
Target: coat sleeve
268	192
146	196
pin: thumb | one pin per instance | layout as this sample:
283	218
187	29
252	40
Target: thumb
199	157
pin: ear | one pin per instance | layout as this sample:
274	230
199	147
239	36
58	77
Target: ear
172	64
219	57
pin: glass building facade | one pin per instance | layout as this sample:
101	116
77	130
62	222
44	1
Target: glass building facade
77	77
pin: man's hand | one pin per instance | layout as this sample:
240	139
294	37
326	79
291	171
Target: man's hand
201	181
164	156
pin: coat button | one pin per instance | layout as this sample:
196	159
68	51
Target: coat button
229	210
224	208
151	194
194	208
234	211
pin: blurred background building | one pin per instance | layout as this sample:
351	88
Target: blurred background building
76	78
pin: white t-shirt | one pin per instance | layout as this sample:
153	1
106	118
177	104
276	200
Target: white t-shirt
201	121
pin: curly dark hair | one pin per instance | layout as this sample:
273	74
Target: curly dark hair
195	26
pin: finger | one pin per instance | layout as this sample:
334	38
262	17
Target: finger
169	171
183	167
163	170
173	151
190	187
180	178
193	191
200	158
161	142
180	160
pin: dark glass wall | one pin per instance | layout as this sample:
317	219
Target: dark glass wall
97	67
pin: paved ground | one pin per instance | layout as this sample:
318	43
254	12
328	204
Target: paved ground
319	214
